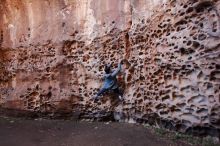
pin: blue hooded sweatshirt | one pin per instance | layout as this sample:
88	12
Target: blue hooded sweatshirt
110	81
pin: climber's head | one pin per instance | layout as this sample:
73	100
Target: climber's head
107	69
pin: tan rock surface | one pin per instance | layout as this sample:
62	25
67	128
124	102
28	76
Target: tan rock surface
53	53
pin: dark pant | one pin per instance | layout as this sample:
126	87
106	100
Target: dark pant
116	91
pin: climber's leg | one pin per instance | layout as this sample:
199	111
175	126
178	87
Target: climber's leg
102	91
119	93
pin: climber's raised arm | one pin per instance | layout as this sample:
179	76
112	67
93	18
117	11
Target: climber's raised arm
117	70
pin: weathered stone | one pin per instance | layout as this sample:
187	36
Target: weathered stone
53	54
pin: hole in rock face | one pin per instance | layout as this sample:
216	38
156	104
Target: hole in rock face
214	30
217	66
189	10
185	6
215	76
183	51
63	24
165	97
203	5
141	53
181	14
195	44
201	37
189	43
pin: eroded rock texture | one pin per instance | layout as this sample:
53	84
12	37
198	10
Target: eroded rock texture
171	75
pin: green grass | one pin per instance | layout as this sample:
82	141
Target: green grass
160	131
186	138
180	137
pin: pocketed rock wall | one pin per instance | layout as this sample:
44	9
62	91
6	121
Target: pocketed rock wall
170	76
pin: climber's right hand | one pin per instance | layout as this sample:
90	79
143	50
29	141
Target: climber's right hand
121	61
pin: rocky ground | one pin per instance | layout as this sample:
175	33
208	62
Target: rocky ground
41	132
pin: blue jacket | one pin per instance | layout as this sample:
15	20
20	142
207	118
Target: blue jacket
110	81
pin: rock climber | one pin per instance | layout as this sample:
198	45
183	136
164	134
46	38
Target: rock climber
110	82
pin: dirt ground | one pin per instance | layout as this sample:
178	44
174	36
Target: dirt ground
41	132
